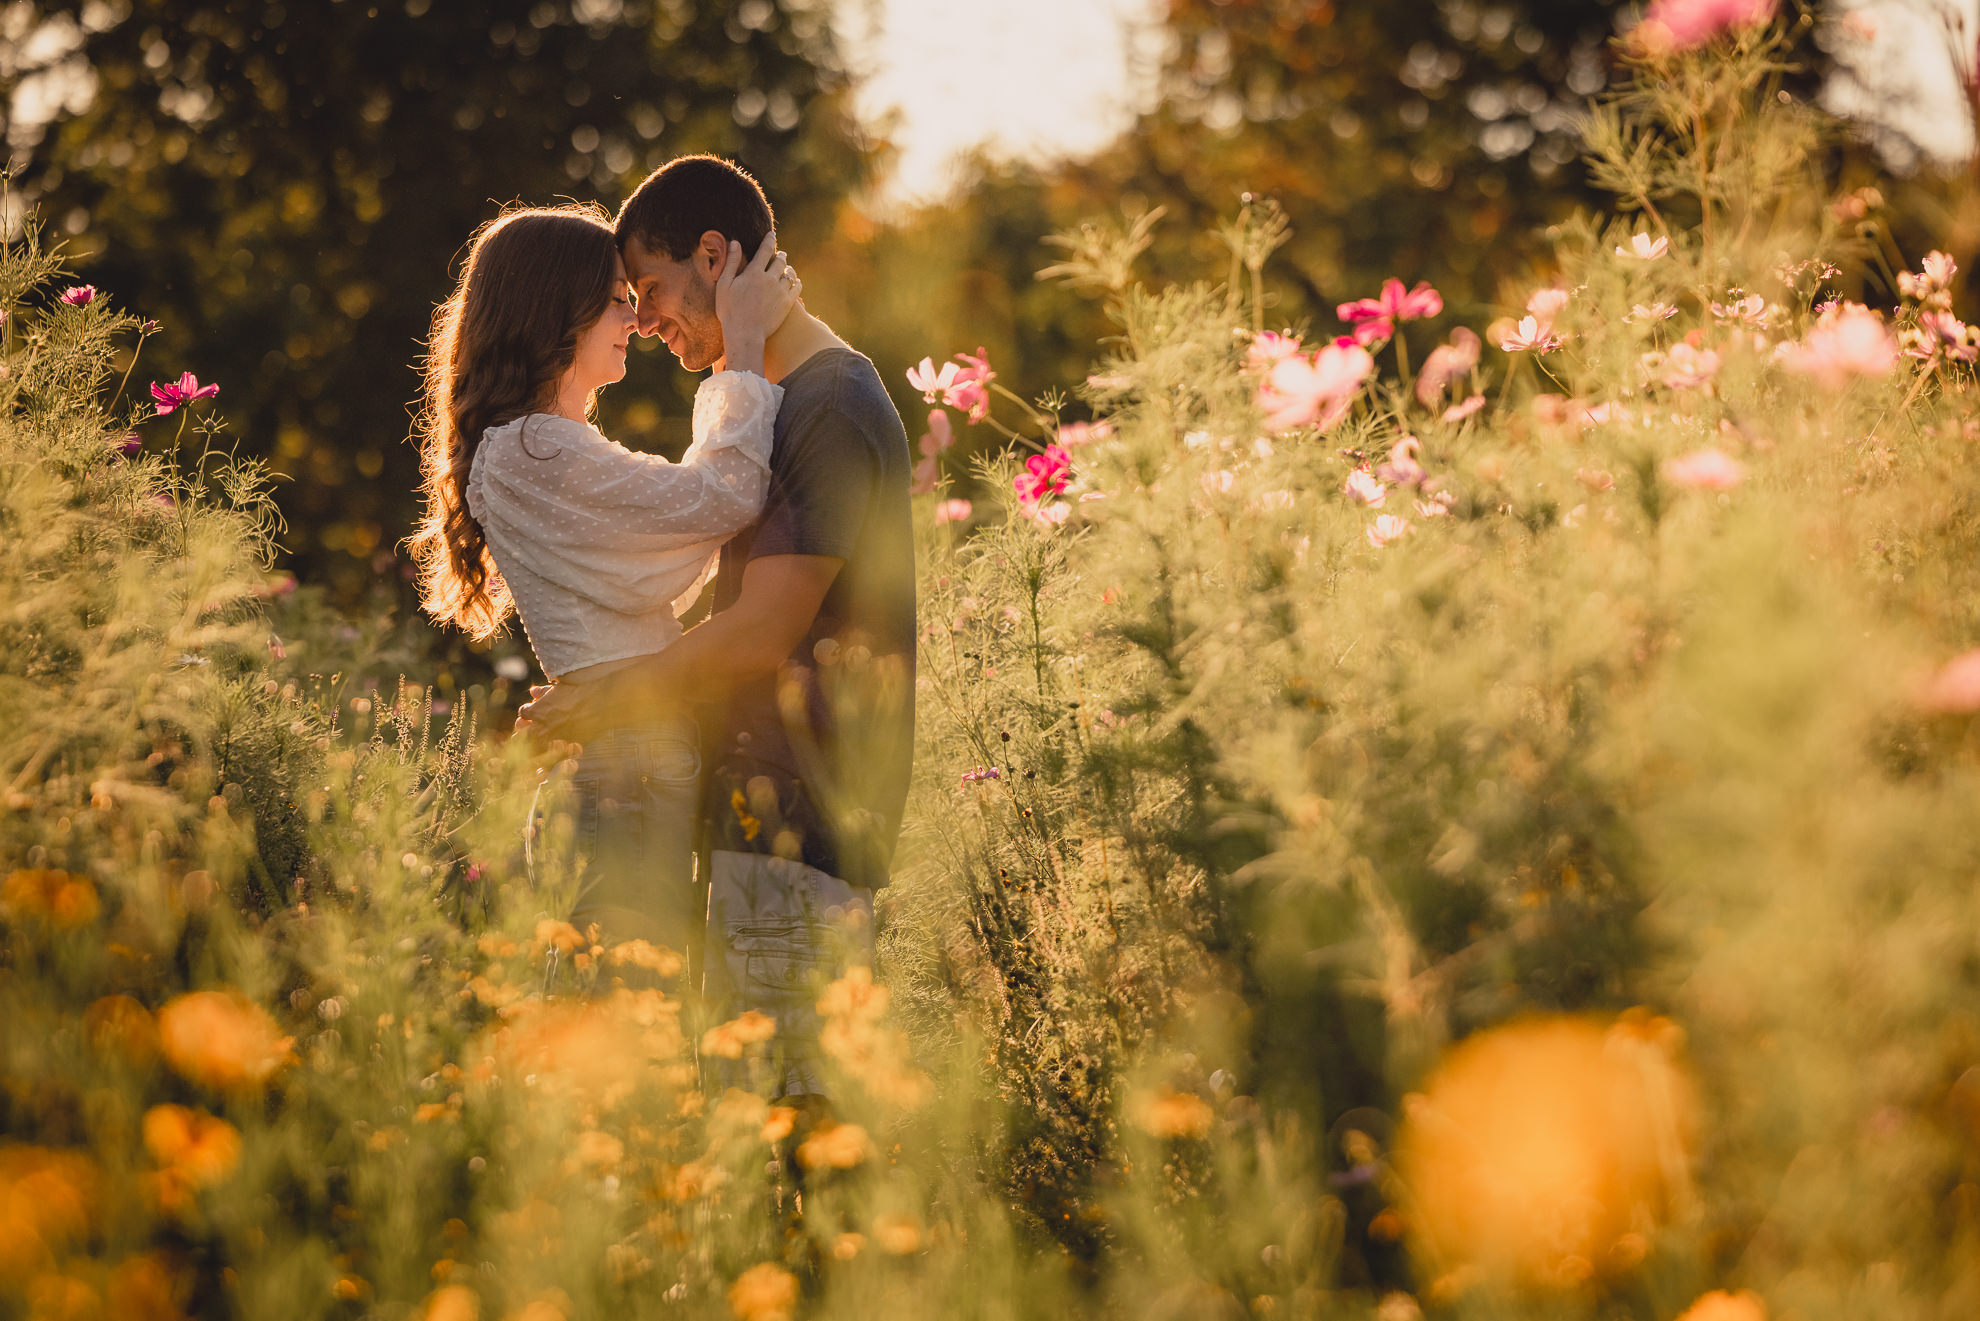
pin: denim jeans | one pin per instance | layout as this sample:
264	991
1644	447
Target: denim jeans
778	931
634	799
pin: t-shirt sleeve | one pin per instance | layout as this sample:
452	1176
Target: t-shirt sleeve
819	489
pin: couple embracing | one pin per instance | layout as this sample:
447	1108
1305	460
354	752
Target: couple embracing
774	738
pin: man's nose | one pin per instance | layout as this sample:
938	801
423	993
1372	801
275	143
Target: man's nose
646	322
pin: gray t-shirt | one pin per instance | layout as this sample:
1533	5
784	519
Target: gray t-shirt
813	763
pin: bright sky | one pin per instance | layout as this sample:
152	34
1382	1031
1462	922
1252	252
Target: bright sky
1057	76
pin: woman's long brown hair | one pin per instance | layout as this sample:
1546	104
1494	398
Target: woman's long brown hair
534	281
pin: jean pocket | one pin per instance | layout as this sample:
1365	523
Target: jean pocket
670	759
781	962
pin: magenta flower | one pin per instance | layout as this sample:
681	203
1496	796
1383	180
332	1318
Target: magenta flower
1708	469
981	774
970	391
1688	24
952	511
1299	391
1044	475
180	393
78	295
1395	304
128	446
1372	333
926	474
1848	341
1447	363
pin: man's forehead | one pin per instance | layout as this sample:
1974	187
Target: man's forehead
642	262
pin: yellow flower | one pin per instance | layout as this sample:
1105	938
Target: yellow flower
764	1292
198	1147
1168	1113
855	996
834	1147
846	1246
64	900
1719	1305
221	1040
644	954
778	1123
601	1150
455	1302
897	1234
1543	1150
740	805
561	936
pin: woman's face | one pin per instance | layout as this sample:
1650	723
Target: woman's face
601	347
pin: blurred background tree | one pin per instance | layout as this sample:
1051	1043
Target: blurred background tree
286	187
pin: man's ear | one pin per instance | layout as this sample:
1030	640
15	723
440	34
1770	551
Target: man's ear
711	254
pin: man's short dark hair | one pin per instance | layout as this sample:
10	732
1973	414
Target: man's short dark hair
687	197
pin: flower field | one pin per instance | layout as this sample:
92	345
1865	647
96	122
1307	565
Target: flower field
1412	819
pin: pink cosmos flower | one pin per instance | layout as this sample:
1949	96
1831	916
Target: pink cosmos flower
952	511
930	381
1404	467
1372	333
1219	482
1437	506
1849	340
1460	411
1643	313
1688	24
128	446
971	388
1861	25
1940	269
1054	514
1751	310
1643	248
1546	304
1595	479
180	393
1364	489
1044	475
1387	528
1942	332
1531	334
940	434
78	295
1686	367
1268	347
1395	304
1707	469
1299	391
1955	688
1447	363
926	475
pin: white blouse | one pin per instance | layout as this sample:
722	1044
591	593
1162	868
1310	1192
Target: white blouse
600	546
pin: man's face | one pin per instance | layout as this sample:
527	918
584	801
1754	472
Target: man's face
677	299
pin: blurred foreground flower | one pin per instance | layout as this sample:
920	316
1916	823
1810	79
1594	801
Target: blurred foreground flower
1545	1151
1377	318
47	1202
221	1040
834	1147
952	511
1300	391
1687	24
61	899
454	1302
1720	1305
764	1292
1705	470
1447	363
1849	340
174	395
1168	1113
1531	335
1387	528
1954	689
1643	248
193	1149
729	1040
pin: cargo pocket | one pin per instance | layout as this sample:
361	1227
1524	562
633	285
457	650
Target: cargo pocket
780	963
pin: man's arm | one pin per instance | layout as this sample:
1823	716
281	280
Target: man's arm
779	600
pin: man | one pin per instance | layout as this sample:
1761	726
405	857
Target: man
804	673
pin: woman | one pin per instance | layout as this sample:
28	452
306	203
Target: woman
529	508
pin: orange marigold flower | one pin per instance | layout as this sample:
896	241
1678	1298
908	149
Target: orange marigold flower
47	1200
1720	1305
455	1302
220	1039
199	1147
1542	1150
63	900
1168	1113
854	996
897	1234
764	1292
561	936
834	1147
145	1288
645	954
729	1039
